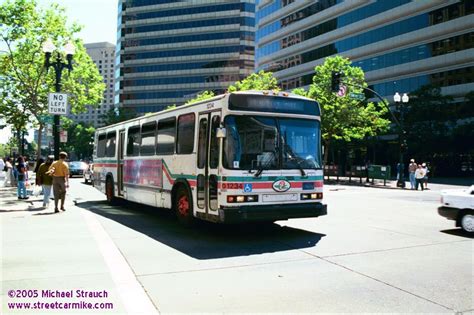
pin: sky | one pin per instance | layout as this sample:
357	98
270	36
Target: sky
99	21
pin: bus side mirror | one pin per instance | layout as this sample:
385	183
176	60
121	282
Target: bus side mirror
221	133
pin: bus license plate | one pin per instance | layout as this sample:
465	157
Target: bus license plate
280	197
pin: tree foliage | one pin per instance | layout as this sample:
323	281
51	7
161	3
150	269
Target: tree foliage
25	81
256	81
80	139
201	97
344	118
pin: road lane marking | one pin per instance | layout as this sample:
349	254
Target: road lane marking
131	292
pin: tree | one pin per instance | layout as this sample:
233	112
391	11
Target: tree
344	118
114	116
201	97
23	30
256	81
80	142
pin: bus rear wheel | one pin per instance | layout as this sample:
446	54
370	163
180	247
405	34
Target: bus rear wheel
183	206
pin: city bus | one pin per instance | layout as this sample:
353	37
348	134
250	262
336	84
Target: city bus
237	157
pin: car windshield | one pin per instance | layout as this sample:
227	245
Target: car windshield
271	143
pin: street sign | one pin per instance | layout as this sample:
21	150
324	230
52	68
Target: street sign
63	136
46	119
357	96
57	103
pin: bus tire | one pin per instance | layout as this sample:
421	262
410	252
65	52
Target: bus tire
109	191
183	206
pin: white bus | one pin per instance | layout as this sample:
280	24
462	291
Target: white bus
243	156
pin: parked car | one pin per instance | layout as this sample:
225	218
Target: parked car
77	168
89	174
458	205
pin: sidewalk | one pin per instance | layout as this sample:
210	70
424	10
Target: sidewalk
436	184
41	251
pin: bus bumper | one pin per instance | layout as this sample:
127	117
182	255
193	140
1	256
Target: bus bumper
271	212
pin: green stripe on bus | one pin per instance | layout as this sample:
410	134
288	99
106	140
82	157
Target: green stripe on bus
267	178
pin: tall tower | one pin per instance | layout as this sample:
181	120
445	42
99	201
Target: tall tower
103	56
168	51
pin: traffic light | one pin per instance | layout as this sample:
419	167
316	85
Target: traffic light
335	81
404	146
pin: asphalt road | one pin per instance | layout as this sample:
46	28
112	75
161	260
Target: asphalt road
378	250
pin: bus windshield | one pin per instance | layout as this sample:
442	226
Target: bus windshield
271	143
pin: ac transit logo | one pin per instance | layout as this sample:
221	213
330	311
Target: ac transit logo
281	185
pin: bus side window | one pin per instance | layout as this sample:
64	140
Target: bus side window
148	138
185	143
166	136
110	147
133	141
101	145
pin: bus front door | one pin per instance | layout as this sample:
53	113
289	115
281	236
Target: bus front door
208	163
120	162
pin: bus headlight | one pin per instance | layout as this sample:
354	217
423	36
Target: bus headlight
311	196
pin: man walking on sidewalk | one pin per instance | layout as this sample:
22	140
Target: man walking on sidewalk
60	172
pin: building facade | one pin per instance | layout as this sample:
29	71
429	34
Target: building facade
401	45
168	51
103	55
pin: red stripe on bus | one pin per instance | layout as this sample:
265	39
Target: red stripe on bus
105	164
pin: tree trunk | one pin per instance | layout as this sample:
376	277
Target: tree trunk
326	151
40	138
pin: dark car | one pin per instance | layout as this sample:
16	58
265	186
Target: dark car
77	168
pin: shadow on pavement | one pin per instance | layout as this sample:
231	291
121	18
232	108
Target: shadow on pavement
205	240
457	232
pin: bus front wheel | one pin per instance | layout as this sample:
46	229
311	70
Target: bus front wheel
183	206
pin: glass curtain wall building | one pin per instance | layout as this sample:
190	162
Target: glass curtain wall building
168	51
401	45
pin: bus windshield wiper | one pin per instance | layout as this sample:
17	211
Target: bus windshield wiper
298	163
293	157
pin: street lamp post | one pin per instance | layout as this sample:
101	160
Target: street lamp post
404	99
58	65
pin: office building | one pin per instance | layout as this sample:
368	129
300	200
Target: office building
102	54
401	45
168	51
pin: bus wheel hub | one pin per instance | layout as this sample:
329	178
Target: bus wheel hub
183	205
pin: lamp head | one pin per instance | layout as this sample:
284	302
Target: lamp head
69	48
405	98
397	97
48	46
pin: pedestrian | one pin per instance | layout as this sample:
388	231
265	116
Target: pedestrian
22	178
39	162
419	175
427	170
412	167
45	180
3	169
9	172
60	172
